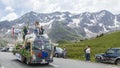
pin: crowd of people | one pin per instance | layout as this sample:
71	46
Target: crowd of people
37	31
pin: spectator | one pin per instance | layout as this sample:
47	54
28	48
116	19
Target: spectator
64	52
87	53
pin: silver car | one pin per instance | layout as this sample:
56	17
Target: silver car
58	52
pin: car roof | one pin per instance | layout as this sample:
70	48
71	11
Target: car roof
59	48
115	48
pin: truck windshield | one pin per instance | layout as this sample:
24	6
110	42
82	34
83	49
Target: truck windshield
48	46
39	45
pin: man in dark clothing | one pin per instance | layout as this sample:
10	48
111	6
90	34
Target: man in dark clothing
41	30
38	29
24	32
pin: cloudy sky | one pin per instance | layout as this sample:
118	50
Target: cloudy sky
12	9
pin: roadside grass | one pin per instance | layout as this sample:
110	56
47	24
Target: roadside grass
97	45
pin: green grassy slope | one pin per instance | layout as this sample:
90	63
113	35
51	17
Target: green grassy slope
98	45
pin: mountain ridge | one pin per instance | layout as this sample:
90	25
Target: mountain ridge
83	25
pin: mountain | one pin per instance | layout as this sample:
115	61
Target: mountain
68	26
60	32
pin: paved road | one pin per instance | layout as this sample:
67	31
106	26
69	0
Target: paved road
7	60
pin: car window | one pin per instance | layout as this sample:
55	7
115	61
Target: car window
59	49
118	51
110	51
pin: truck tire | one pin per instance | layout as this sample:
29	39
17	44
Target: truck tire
118	62
23	59
46	63
28	62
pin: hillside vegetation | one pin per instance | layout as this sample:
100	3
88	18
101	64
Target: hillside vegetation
98	45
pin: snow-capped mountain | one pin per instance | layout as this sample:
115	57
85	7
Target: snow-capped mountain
69	26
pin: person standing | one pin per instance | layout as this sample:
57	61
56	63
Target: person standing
24	32
64	52
41	30
87	53
38	29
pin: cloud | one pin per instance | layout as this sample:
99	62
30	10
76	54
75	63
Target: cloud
10	16
8	8
74	6
21	7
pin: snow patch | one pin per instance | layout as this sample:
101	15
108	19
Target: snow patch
49	24
75	23
88	14
105	30
70	15
111	27
100	15
100	24
61	17
93	21
21	24
117	24
35	14
89	34
89	24
8	31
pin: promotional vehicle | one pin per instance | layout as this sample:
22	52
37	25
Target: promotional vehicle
35	49
112	55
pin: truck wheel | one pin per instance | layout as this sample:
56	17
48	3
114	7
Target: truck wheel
28	62
118	62
23	59
47	63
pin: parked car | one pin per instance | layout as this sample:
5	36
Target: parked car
5	49
112	55
1	48
58	52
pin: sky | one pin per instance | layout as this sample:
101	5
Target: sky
13	9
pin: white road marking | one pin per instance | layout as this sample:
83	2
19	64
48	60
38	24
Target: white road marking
54	65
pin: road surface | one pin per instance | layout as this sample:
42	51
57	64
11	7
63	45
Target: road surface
8	60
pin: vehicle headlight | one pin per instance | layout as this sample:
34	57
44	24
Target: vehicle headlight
33	57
